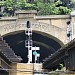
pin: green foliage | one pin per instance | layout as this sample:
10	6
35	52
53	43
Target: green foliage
9	5
2	3
72	1
64	10
23	5
61	66
53	7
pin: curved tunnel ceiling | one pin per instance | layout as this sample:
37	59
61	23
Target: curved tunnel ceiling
47	45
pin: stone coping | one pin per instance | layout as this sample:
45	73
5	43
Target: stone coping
26	12
37	17
53	17
7	18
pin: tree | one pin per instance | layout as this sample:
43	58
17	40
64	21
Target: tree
51	8
44	7
24	5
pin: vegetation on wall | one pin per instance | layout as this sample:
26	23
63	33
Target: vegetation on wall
44	7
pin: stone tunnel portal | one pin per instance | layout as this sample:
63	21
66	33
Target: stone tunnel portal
47	43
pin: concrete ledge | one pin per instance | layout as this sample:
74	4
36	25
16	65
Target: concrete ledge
53	17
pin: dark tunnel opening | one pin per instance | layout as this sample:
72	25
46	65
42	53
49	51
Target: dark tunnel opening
16	41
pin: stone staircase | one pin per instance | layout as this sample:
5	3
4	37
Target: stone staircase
8	52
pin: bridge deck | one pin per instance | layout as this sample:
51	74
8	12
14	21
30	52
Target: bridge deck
63	54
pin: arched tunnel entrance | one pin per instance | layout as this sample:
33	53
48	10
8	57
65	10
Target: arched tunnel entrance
47	43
